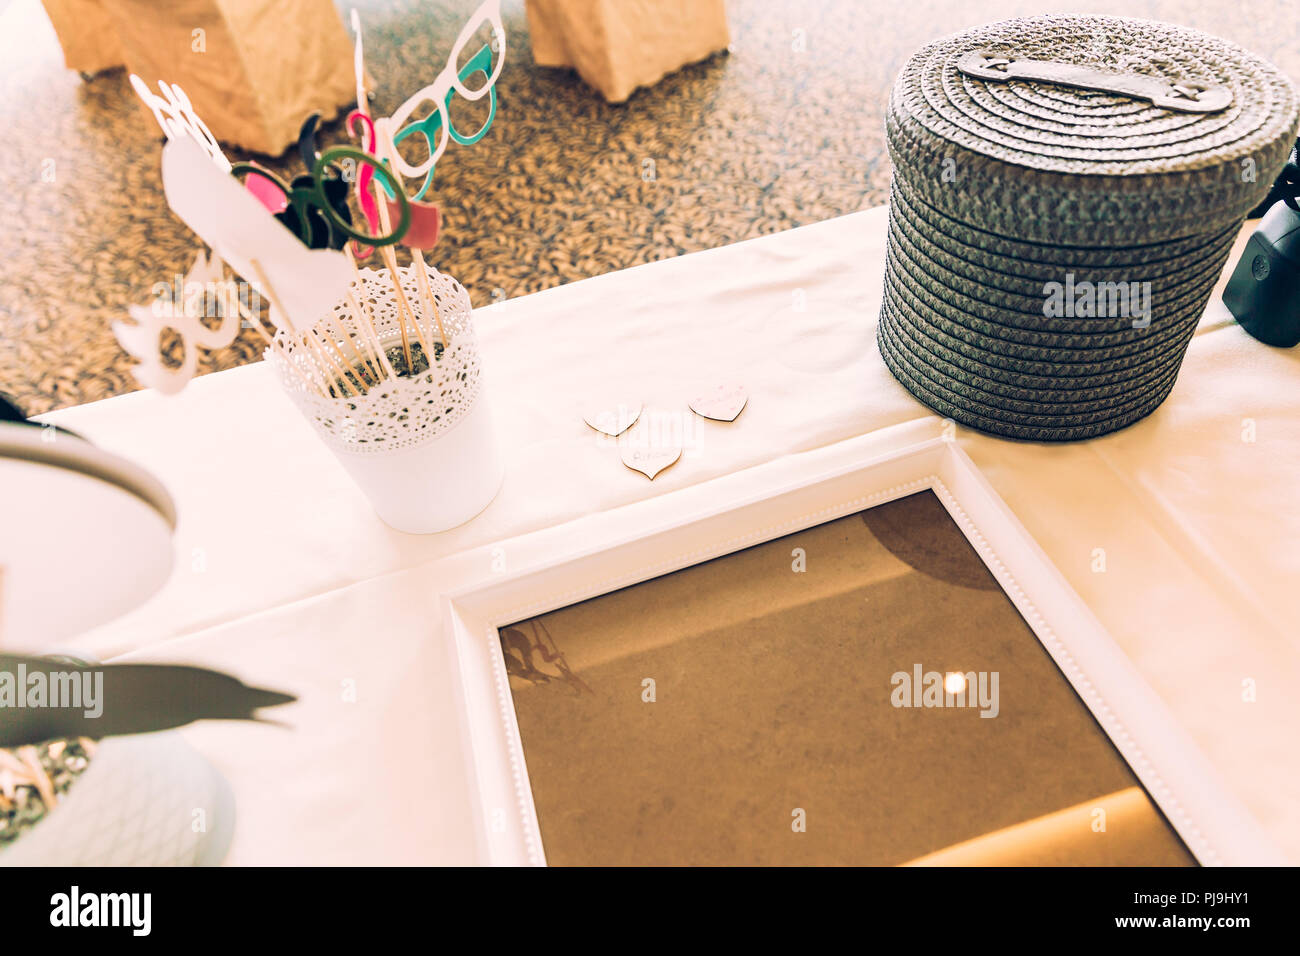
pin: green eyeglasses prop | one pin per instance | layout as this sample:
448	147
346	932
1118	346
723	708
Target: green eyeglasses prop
309	199
431	126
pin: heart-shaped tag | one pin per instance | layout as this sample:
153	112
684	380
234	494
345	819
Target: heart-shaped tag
723	403
612	421
649	459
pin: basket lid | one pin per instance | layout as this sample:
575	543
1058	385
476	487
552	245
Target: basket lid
1064	121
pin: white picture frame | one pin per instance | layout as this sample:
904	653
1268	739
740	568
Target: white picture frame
769	502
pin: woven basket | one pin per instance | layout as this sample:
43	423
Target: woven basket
1066	192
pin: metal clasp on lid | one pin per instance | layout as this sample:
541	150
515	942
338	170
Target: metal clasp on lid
1182	95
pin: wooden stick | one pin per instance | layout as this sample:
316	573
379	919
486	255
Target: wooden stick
390	259
335	350
300	336
405	303
335	367
305	339
373	343
417	256
366	332
404	307
339	360
363	361
363	310
278	346
401	313
318	383
366	350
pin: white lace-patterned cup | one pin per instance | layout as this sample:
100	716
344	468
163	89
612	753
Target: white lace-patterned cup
422	448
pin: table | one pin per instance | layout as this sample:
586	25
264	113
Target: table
1193	508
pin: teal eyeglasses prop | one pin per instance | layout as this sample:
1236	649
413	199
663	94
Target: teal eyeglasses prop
436	126
431	126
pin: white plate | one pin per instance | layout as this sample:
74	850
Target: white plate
84	536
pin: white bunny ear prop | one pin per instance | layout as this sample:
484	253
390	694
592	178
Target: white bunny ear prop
304	283
161	108
175	114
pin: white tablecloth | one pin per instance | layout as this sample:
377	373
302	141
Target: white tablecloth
284	574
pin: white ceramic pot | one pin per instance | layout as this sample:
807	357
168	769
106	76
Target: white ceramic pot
422	448
143	800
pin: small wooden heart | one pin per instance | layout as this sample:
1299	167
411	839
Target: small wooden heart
723	403
612	421
650	460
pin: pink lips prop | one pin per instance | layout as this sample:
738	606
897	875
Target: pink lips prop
267	194
426	220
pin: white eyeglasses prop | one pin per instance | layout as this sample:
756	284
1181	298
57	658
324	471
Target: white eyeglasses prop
439	92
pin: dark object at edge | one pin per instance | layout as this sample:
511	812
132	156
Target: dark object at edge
135	699
1263	293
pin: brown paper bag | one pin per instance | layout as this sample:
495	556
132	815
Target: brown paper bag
254	69
618	45
86	33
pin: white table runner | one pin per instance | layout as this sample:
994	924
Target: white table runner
1200	533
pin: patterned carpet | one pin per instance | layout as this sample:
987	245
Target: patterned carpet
782	131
